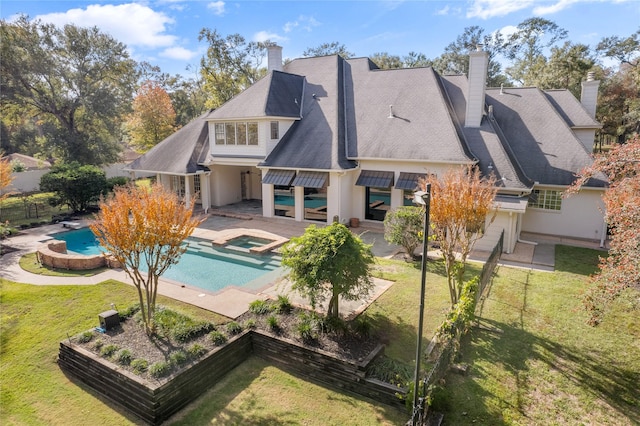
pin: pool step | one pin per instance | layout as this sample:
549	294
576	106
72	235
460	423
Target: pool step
239	256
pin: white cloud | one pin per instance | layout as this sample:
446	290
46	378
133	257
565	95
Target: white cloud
217	7
265	35
178	53
554	8
485	9
132	24
305	22
444	11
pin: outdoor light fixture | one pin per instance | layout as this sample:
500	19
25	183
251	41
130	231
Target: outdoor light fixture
422	198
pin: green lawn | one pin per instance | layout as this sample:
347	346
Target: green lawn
547	366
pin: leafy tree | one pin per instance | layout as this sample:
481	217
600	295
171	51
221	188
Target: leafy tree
526	46
153	117
404	226
386	61
455	59
144	230
625	50
326	49
78	79
461	205
566	68
229	66
75	185
6	176
619	106
329	262
621	269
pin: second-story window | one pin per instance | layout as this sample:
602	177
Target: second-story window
241	133
275	130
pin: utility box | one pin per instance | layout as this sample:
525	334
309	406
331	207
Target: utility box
109	319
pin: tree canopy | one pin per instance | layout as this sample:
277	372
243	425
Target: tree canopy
75	185
153	117
229	66
404	226
461	206
77	80
144	229
6	177
331	263
621	268
326	49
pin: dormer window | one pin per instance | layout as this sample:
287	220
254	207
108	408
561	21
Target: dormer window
240	133
275	130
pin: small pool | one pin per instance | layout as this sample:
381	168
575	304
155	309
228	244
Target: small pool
202	265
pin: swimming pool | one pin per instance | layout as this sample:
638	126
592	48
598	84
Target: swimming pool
202	265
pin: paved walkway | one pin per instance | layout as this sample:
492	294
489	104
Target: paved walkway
231	301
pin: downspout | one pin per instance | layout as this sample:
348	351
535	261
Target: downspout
604	234
519	228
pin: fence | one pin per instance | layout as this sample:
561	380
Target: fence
449	347
30	210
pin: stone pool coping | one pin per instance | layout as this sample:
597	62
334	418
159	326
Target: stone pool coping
227	235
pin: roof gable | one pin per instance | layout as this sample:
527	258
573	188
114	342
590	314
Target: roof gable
179	153
278	94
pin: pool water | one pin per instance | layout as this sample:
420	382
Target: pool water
202	265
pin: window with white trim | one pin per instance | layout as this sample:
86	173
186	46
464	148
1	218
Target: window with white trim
240	133
546	199
275	130
178	185
196	184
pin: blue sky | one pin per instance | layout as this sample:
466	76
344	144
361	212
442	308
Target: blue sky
165	32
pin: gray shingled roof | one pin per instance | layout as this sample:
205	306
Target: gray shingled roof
317	140
571	109
421	127
278	94
548	151
179	153
485	143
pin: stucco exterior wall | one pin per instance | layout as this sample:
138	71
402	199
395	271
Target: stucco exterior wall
226	185
586	136
581	216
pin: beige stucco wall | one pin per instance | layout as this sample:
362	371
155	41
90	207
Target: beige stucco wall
581	216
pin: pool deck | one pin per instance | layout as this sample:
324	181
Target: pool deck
231	301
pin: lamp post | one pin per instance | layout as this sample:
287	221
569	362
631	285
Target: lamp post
422	198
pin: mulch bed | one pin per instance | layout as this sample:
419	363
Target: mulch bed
131	335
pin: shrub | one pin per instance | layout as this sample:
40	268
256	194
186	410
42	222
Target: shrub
178	358
283	305
217	337
272	322
85	337
196	351
234	328
390	371
98	344
107	351
331	325
124	357
362	326
260	307
159	369
139	365
307	332
129	312
180	327
250	324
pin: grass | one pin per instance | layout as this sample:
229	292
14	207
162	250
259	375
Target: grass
21	210
547	366
29	262
256	393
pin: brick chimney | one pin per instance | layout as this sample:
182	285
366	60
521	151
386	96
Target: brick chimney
274	58
589	95
478	63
